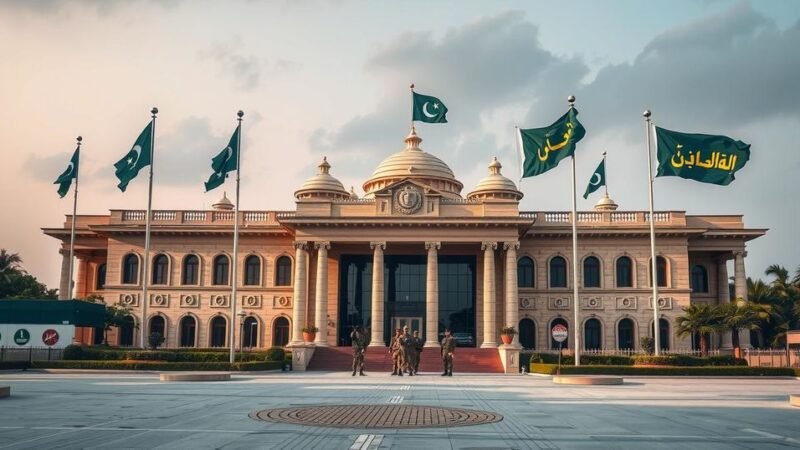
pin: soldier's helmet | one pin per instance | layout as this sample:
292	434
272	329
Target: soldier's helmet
405	328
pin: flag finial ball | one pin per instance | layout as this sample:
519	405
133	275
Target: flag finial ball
240	114
411	86
571	99
647	114
80	138
154	110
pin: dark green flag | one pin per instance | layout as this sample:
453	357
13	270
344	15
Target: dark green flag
136	159
701	157
65	179
598	179
226	161
428	109
544	148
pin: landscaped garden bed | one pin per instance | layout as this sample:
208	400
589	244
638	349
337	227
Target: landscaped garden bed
628	370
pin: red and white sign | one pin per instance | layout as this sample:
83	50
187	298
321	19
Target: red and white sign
560	333
50	337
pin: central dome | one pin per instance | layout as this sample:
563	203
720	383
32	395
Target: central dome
413	163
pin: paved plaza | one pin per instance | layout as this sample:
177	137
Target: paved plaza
66	410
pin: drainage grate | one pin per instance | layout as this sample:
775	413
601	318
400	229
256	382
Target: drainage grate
377	416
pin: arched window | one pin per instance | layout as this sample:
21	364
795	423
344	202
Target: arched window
525	273
188	329
699	279
101	277
624	272
158	325
555	345
283	271
130	269
661	269
126	332
160	269
663	333
527	334
218	331
221	264
191	270
625	334
250	332
280	332
252	271
591	272
592	331
558	272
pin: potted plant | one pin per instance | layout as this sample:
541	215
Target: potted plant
507	335
309	333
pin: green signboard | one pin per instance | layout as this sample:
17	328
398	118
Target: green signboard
22	336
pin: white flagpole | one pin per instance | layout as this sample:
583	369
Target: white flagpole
605	173
146	265
653	262
520	153
70	295
575	294
234	272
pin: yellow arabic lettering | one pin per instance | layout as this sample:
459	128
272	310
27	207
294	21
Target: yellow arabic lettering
539	153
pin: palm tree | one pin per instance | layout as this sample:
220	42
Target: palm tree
700	319
738	315
9	263
786	301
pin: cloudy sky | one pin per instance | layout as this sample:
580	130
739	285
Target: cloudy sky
331	78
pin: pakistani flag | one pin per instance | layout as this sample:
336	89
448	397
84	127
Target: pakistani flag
136	159
701	157
544	148
226	161
428	109
598	179
64	180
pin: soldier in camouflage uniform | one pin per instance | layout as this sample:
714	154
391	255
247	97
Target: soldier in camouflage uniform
395	348
409	351
448	347
359	348
417	350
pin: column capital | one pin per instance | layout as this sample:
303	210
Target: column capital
740	254
433	245
508	245
488	245
325	245
301	245
376	245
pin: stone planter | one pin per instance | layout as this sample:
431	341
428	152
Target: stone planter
507	338
309	337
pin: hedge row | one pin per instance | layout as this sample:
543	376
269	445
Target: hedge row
550	369
638	360
158	365
13	365
82	353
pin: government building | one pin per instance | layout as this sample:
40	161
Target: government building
472	262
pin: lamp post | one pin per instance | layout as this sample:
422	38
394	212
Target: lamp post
241	315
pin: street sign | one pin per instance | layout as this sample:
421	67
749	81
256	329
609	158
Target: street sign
50	337
22	336
560	333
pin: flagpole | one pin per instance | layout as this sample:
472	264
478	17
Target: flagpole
72	231
653	262
234	272
520	154
605	173
411	87
145	265
576	299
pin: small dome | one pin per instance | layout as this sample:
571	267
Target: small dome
223	204
322	184
495	185
353	194
412	162
605	204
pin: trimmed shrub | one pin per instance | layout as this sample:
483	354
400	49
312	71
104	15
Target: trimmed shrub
610	360
156	365
73	352
275	354
687	361
86	353
13	365
550	369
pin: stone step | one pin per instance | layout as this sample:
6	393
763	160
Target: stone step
468	360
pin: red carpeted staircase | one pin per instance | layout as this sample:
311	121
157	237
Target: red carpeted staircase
466	360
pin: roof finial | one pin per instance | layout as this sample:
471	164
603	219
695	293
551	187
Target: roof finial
412	140
494	166
324	166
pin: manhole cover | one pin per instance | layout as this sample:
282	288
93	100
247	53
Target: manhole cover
377	416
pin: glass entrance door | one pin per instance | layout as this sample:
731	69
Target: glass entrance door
413	324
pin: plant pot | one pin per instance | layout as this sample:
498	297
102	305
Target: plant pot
507	338
309	337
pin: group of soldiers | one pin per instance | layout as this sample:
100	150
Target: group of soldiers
405	349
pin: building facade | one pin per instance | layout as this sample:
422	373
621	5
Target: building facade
474	263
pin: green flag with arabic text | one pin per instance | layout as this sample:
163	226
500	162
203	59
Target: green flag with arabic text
701	157
544	148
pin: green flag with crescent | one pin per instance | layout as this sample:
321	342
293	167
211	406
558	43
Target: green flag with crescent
64	181
701	157
137	158
597	180
428	109
544	148
226	161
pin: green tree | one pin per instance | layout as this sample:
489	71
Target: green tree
741	315
698	319
116	316
16	283
9	263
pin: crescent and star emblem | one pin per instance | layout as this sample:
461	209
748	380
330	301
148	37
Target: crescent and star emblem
425	110
228	154
134	158
595	176
70	169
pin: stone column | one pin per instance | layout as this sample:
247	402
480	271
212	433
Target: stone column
489	296
432	295
723	296
299	296
740	285
377	294
512	291
321	297
65	282
81	287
